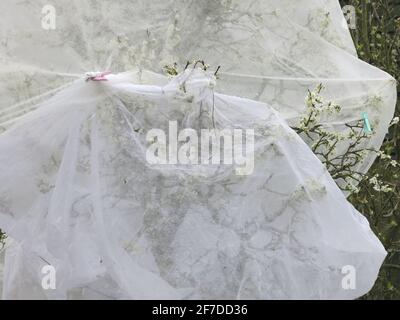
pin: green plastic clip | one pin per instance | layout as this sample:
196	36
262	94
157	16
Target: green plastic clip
367	125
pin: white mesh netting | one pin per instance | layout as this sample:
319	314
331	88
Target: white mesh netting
78	193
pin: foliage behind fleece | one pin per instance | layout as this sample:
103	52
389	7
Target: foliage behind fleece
377	38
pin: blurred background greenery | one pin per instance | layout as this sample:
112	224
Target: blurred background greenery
377	38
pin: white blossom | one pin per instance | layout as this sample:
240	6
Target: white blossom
395	121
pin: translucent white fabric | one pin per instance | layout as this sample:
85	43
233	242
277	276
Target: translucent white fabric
78	193
268	50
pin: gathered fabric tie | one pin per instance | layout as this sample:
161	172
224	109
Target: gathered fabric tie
97	76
